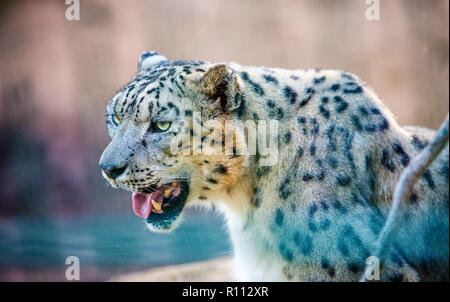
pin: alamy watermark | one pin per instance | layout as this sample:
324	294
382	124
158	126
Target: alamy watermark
73	11
229	137
372	272
73	271
373	10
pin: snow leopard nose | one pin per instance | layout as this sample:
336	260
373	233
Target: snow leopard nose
112	171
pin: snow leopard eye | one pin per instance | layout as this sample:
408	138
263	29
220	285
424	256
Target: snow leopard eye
115	120
162	126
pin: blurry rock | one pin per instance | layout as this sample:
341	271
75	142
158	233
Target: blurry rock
217	270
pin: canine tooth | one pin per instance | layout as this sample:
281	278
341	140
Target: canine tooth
156	205
167	192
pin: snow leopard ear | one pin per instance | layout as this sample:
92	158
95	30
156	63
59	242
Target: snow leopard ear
219	83
148	59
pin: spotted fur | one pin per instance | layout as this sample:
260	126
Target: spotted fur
315	215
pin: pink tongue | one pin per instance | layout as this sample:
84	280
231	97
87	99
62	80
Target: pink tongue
142	205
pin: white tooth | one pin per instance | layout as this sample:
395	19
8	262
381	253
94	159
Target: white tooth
156	205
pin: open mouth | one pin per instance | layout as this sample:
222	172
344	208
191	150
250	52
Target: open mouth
164	204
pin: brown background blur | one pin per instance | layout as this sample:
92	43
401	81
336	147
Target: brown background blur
56	75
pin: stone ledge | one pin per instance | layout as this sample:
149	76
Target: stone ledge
215	270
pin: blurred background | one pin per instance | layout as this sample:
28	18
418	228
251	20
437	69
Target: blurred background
57	75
